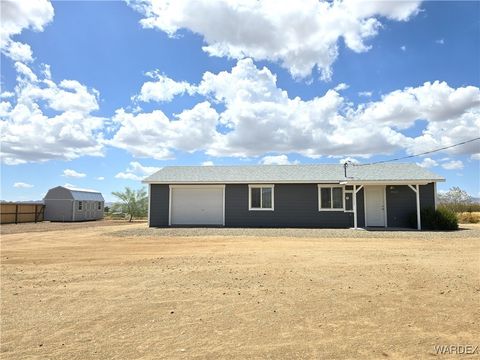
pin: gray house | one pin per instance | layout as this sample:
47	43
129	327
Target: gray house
66	204
328	195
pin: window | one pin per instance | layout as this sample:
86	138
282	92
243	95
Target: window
348	200
80	205
331	197
260	197
99	206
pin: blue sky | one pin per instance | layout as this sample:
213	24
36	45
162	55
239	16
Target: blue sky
409	83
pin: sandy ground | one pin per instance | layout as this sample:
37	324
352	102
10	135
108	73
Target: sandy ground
88	293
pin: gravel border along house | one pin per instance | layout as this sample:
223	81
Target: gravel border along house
326	195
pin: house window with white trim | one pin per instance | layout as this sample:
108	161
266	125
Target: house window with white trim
330	198
260	197
80	205
99	206
349	200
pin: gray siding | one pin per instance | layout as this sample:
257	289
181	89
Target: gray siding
360	208
402	205
89	211
58	210
296	205
159	202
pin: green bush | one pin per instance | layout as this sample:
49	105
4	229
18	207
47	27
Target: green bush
440	219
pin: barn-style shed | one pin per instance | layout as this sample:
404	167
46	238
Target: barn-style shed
68	204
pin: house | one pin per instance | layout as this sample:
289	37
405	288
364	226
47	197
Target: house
68	204
326	195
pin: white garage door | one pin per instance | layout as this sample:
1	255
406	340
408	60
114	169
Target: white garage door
201	205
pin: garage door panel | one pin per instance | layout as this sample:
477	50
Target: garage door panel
197	206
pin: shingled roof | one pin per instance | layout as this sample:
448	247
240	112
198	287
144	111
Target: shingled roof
318	173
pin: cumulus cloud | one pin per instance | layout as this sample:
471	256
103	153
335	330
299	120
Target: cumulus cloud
73	173
341	86
162	89
300	36
154	135
136	171
349	159
276	160
22	185
427	163
17	16
453	165
208	163
45	120
258	117
100	178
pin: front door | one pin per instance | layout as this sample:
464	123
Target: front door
374	205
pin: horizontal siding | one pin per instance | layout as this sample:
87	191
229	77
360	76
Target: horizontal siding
159	198
402	204
296	205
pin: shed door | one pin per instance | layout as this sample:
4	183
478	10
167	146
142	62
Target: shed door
197	205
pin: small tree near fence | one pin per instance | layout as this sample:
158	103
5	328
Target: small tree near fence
132	202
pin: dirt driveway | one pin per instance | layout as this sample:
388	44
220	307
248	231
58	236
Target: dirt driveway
124	292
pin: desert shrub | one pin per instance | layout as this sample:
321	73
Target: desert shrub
441	219
468	217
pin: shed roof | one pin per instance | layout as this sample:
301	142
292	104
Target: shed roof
292	173
76	194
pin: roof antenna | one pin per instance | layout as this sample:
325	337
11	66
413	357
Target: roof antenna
345	165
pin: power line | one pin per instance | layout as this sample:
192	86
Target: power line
420	154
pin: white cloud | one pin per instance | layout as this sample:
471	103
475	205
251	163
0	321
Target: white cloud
17	16
365	93
162	89
128	176
69	130
349	160
276	160
208	163
427	163
453	165
341	86
100	178
440	41
22	185
259	118
300	35
136	171
403	48
73	173
155	135
475	156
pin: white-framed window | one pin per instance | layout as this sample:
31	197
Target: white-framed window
330	198
260	197
80	205
99	206
348	195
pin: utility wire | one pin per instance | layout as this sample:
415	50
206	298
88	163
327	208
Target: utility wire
421	154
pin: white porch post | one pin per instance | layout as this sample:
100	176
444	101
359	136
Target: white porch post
354	206
416	189
355	217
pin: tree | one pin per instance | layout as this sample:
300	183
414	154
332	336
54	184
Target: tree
132	202
455	199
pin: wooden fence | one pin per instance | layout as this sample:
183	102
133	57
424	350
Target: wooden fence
21	213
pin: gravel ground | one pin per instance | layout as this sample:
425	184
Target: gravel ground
466	231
